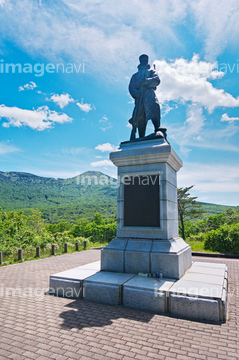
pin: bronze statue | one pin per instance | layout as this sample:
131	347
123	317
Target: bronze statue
142	88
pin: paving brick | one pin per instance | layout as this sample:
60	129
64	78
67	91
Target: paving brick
110	348
62	329
100	357
58	357
113	355
152	355
197	356
30	355
15	356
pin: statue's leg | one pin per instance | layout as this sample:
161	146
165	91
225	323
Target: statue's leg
156	122
142	128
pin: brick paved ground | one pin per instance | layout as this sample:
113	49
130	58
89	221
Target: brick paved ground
37	326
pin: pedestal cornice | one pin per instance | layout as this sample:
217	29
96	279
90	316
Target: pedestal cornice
142	153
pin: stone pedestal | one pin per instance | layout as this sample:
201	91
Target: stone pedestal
147	241
147	214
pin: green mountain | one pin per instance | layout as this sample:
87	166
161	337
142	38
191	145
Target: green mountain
66	199
214	209
59	199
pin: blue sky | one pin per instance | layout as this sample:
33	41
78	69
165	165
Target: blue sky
67	106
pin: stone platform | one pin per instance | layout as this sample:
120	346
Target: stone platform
69	283
106	287
200	294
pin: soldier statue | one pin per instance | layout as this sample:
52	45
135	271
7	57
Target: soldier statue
142	88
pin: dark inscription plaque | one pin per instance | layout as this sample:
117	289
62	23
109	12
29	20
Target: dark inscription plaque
141	200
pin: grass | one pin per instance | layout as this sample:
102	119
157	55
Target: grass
198	246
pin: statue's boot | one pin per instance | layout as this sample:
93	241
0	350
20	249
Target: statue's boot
156	122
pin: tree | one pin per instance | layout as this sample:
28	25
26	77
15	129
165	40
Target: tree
98	219
188	207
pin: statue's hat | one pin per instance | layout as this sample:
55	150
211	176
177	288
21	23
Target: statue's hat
143	59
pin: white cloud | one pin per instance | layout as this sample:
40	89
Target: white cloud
74	151
194	133
85	107
105	35
30	86
61	100
187	81
216	24
102	163
189	133
195	120
6	148
40	119
105	123
208	178
102	32
214	183
106	147
166	108
128	125
225	117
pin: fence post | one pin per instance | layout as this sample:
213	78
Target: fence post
77	246
19	254
38	251
0	257
53	249
85	244
65	247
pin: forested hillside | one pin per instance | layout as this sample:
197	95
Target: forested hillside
66	199
59	199
83	209
214	209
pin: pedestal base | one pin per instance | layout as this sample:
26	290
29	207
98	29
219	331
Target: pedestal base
106	287
201	293
147	293
69	283
173	256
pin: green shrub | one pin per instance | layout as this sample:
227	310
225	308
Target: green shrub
199	237
225	239
212	222
19	231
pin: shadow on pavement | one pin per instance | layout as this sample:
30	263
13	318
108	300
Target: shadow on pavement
85	314
89	314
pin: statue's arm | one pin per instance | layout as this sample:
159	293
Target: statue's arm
134	87
153	81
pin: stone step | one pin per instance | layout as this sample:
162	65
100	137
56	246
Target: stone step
200	294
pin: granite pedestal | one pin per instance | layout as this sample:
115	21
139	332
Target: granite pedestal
147	241
147	215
